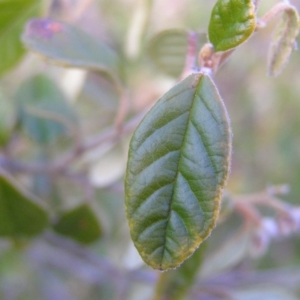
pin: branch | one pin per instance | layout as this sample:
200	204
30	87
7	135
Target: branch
61	165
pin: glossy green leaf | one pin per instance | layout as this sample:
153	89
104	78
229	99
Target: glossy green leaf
13	16
69	46
19	215
283	41
168	49
176	283
231	23
80	224
177	166
44	113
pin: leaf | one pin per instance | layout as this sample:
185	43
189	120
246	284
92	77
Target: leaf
177	166
222	260
168	49
44	112
7	119
69	46
231	23
283	41
266	293
176	283
13	16
80	224
19	215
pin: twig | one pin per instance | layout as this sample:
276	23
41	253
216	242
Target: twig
62	164
273	12
80	9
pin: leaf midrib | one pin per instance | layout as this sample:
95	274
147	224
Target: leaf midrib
177	170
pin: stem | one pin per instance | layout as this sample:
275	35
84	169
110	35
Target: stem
190	59
61	165
274	11
138	27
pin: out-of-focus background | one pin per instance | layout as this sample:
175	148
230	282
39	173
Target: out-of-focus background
47	110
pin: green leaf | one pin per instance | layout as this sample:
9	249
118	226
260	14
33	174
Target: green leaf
177	166
232	22
168	49
176	283
44	112
283	42
222	259
69	46
7	119
19	215
80	224
13	16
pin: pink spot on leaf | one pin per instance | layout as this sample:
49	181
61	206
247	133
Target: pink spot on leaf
43	28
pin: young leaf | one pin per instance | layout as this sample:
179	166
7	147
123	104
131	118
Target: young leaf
168	49
231	23
66	45
43	109
80	224
284	41
177	166
13	16
176	283
19	215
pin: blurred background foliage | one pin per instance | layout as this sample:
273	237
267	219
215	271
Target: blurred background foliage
64	135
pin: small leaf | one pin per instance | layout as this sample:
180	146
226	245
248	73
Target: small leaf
232	22
19	215
177	166
13	16
168	49
43	110
66	45
284	41
80	224
176	283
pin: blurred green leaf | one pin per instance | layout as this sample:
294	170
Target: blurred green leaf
168	49
7	119
177	166
228	255
44	113
69	46
174	284
80	224
231	23
13	16
19	215
283	42
263	293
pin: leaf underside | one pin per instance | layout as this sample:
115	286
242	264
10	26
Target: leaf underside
177	166
232	22
69	46
283	42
